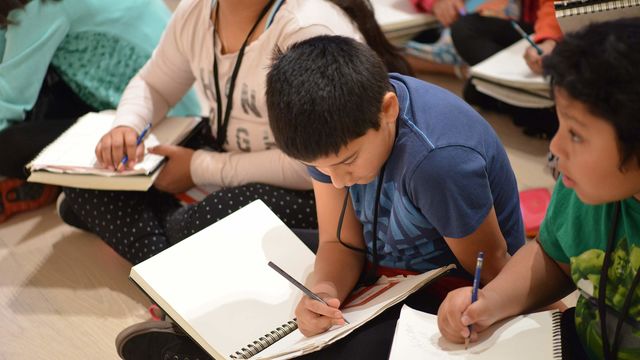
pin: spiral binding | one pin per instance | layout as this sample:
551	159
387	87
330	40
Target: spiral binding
265	341
574	9
556	334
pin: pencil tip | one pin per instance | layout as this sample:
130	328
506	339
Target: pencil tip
466	343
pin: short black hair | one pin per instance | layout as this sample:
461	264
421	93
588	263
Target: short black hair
600	67
322	93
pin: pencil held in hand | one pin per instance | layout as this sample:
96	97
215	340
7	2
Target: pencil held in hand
125	159
297	284
474	291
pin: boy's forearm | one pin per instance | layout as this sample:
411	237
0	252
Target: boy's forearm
339	266
530	280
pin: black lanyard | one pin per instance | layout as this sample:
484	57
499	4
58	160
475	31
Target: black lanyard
223	123
610	350
372	276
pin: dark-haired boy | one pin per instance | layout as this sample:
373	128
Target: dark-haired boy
590	238
422	169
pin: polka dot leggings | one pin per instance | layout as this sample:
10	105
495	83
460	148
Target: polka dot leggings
138	225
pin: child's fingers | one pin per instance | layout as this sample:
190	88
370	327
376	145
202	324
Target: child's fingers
329	310
130	148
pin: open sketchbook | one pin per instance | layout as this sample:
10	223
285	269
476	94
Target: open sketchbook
533	336
506	77
217	286
70	160
575	14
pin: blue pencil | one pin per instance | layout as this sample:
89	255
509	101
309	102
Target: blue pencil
474	292
144	132
526	37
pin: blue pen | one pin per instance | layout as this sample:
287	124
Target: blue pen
138	141
474	292
525	36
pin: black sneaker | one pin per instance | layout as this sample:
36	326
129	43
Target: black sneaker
157	340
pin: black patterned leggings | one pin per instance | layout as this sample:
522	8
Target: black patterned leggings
138	225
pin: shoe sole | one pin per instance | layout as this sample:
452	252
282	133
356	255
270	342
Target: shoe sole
142	328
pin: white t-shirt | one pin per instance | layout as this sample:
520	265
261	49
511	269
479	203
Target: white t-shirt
185	55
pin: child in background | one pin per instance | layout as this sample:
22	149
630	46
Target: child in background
590	238
407	178
225	46
477	37
59	60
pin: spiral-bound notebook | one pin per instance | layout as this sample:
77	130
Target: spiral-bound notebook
532	336
217	286
574	14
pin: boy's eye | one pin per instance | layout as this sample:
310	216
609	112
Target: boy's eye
575	137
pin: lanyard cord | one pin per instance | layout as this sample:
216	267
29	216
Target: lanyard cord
611	350
221	136
372	276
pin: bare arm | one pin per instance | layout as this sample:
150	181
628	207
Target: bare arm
530	280
487	238
337	268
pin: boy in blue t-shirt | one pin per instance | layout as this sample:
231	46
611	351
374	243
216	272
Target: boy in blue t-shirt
406	175
590	238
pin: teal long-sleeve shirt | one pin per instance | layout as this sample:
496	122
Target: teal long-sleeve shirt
96	46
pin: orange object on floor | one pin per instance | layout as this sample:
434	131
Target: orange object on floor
19	196
533	205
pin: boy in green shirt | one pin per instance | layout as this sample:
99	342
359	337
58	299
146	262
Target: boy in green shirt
590	238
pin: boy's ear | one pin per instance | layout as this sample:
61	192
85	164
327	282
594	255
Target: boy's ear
390	109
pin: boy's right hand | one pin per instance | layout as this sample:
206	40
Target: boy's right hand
457	312
314	317
115	144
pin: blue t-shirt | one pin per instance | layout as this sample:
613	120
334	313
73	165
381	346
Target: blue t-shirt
445	172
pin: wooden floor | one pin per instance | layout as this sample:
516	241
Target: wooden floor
65	295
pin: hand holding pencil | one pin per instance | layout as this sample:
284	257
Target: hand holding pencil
315	313
118	143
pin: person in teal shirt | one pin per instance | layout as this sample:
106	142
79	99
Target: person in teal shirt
59	60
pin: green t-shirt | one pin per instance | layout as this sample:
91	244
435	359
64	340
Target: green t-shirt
576	233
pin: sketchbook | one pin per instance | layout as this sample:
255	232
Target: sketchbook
399	20
532	336
70	160
506	76
575	14
217	286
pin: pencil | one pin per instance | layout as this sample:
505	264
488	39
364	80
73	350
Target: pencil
297	284
474	292
144	132
526	37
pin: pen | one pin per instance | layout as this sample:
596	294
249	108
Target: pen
474	292
297	284
525	36
144	132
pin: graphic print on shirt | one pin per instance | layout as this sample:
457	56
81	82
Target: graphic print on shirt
249	102
585	272
406	239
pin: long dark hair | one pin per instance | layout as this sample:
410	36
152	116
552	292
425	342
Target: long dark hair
6	6
361	12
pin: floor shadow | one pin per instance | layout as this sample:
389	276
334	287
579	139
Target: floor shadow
81	275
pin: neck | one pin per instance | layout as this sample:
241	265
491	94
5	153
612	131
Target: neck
235	19
241	10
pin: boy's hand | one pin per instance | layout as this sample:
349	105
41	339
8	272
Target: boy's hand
314	317
115	144
456	313
176	174
534	60
448	11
